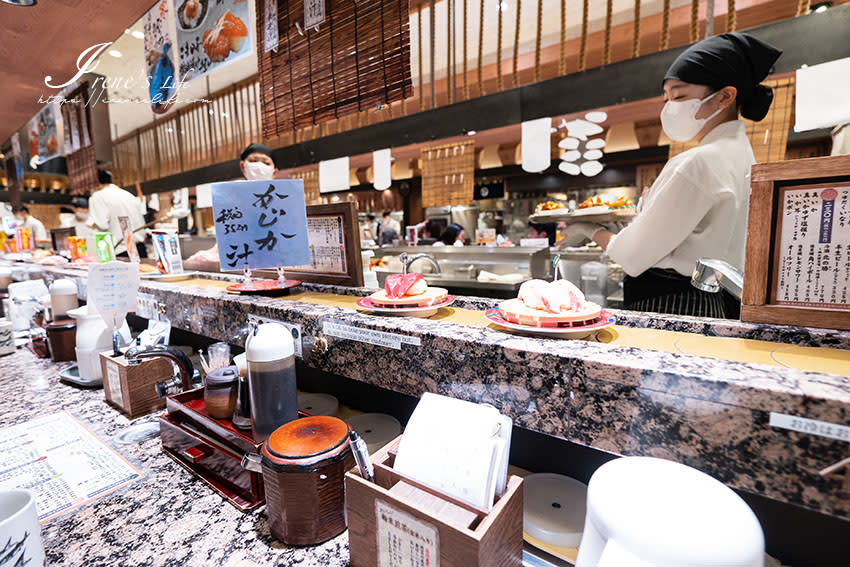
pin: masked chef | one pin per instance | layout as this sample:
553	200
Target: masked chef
256	164
697	207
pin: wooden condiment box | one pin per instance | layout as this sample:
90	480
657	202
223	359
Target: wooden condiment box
422	520
130	389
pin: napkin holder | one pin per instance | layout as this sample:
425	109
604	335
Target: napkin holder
492	539
130	387
211	449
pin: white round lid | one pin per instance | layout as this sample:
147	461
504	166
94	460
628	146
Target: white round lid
553	508
667	513
272	342
63	287
318	404
376	429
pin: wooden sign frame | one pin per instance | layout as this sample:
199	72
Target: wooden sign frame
353	275
769	180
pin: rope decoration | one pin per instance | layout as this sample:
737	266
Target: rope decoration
419	52
636	40
562	62
665	26
731	17
480	48
516	44
499	49
582	52
537	40
803	7
465	81
609	10
694	20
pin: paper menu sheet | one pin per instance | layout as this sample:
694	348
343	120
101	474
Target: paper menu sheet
62	462
813	247
458	447
326	238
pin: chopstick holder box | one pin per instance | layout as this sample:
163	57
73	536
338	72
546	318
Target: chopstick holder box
397	520
130	389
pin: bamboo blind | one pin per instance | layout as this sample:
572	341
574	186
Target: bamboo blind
769	138
82	163
448	174
310	177
359	58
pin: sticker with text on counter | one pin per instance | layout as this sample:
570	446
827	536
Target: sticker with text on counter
260	224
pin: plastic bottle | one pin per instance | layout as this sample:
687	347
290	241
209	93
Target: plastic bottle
63	298
270	353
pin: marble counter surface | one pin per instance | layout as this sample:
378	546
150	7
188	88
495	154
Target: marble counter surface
708	413
167	518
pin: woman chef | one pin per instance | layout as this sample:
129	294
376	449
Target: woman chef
697	207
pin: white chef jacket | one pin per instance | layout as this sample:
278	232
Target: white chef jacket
36	227
109	203
697	208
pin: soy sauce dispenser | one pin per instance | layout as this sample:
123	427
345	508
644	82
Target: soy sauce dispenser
270	352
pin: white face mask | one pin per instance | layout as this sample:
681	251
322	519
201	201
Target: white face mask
258	171
678	118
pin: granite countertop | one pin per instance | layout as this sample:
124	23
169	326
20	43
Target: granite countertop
169	517
709	413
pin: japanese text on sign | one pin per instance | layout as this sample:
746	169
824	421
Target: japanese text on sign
314	13
260	224
270	29
404	541
326	237
813	267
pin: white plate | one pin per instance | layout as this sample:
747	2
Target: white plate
365	304
597	210
495	317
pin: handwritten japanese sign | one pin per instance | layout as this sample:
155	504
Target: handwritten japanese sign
327	245
314	13
405	541
813	252
260	224
270	29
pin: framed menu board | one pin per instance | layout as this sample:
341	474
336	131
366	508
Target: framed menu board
798	244
333	236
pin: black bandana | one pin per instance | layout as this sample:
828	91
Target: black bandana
730	59
256	149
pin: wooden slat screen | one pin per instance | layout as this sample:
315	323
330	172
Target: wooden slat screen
82	163
359	58
310	177
448	174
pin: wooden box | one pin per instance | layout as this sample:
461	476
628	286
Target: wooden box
418	519
131	388
798	244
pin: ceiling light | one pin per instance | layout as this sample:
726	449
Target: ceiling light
20	2
595	144
114	53
820	7
503	6
126	31
596	116
569	168
591	168
591	155
471	133
571	155
137	34
568	144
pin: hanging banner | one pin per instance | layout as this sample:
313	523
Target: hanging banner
44	135
211	34
270	29
159	61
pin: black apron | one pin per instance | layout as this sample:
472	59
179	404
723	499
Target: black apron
666	291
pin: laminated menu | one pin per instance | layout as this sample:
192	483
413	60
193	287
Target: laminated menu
60	460
812	252
458	447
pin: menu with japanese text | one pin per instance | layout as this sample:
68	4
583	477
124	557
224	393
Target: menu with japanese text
260	224
60	460
326	238
812	263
